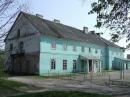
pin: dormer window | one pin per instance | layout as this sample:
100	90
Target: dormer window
18	33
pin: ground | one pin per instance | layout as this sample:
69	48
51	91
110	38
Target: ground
99	83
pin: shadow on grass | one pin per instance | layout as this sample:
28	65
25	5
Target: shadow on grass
61	94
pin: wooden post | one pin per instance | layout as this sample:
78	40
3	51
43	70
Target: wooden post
58	74
120	71
123	71
109	80
70	75
91	75
84	75
48	73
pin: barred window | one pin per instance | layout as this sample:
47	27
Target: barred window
65	47
21	45
53	45
64	64
74	48
90	49
11	47
74	64
82	49
96	51
53	64
18	33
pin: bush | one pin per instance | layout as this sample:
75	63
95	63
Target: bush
2	59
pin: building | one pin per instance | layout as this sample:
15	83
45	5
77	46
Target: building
37	46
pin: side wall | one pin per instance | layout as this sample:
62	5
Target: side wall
114	53
29	35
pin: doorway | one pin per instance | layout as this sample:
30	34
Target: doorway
83	66
126	66
90	65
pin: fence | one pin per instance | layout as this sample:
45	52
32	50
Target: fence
100	78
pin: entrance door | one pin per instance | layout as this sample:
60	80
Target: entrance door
90	65
83	66
126	66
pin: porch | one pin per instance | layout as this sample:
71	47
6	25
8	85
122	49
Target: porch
90	64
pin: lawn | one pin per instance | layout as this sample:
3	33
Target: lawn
10	84
8	88
61	94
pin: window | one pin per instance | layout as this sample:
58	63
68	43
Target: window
89	49
18	33
96	51
11	47
96	65
65	47
101	52
116	53
53	45
74	64
112	53
64	64
53	64
74	48
82	49
21	45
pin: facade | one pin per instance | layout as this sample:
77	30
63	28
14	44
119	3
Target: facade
38	46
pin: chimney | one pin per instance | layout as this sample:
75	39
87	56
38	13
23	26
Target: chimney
56	21
98	34
40	16
85	30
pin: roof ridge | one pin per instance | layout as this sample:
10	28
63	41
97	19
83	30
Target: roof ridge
50	21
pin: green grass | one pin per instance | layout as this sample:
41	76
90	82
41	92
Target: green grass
2	73
9	87
61	94
10	84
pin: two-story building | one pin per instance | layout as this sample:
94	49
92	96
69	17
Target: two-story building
38	46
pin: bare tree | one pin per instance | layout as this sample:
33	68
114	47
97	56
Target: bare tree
8	11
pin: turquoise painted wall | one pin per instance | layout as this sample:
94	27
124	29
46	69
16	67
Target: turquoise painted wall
59	54
106	54
114	53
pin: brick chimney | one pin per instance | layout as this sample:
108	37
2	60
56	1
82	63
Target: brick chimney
85	30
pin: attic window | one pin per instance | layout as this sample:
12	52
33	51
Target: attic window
21	45
11	47
18	33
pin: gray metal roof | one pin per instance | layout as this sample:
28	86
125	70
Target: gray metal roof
59	30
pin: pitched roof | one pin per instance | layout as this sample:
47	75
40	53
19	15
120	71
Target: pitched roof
59	30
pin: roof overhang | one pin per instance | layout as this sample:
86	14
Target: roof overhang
89	57
123	59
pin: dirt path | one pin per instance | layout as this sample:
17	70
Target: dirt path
72	85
